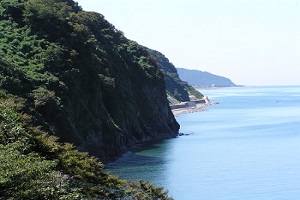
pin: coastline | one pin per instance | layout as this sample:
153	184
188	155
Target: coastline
189	109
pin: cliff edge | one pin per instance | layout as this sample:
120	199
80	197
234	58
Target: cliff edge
82	80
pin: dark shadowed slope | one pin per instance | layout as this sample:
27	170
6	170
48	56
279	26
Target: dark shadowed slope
175	87
69	76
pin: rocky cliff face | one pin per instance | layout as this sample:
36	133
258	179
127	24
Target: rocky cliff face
175	87
82	79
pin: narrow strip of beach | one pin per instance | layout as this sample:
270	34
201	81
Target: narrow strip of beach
189	109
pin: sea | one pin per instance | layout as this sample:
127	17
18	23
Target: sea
245	147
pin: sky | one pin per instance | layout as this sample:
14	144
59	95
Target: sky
252	42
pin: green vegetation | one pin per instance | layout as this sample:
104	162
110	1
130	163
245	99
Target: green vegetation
70	83
175	87
82	80
34	165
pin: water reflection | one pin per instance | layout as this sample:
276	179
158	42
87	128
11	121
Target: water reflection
148	162
246	147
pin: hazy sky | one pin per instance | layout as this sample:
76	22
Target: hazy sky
252	42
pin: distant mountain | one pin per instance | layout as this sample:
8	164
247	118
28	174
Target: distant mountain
203	79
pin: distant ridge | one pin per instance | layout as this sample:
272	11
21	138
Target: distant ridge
199	78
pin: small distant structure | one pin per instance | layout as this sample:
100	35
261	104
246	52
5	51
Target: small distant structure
207	101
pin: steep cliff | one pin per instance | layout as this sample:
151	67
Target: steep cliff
175	87
69	76
85	82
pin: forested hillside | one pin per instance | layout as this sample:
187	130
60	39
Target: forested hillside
176	88
69	81
199	78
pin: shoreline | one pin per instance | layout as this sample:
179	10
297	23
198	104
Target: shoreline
189	109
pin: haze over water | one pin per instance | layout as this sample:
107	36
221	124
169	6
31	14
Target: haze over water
246	147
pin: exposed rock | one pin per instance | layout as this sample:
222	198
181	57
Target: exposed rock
82	79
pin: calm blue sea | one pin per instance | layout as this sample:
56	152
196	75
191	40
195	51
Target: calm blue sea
246	147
